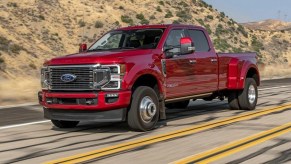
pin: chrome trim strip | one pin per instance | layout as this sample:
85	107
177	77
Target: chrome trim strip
61	66
188	97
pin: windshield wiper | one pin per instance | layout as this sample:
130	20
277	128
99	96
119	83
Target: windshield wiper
96	49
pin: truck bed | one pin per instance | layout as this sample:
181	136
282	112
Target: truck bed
232	67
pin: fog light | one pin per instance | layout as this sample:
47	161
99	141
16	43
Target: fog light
112	95
49	100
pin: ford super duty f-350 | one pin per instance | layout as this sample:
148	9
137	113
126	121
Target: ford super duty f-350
135	73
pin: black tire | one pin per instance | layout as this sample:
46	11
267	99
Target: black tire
249	96
147	96
65	124
233	100
179	105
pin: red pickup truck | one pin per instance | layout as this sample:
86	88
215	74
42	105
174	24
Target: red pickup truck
135	73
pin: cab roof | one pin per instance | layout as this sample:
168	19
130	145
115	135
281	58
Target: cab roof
157	26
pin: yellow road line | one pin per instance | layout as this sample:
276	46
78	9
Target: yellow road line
162	137
236	146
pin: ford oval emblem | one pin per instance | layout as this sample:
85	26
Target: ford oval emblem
68	78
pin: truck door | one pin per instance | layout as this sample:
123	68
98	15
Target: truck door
178	68
206	63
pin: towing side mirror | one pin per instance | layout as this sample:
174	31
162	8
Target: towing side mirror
83	47
187	45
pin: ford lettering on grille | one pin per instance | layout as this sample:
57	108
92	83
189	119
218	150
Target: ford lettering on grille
68	78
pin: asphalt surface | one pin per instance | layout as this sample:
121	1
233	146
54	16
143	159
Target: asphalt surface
26	138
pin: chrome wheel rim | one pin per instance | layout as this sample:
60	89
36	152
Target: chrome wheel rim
252	94
148	109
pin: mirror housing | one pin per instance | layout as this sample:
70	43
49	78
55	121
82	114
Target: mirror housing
83	47
187	45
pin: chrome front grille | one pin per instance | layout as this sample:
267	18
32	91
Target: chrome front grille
84	77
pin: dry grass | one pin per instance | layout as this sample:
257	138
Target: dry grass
275	71
18	91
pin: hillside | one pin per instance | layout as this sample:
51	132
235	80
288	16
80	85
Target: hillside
32	31
268	25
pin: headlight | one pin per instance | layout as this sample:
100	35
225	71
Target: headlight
116	75
44	78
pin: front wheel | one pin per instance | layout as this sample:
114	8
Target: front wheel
144	112
65	124
249	96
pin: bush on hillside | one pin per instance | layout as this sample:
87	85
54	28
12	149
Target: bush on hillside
126	19
169	14
81	23
98	24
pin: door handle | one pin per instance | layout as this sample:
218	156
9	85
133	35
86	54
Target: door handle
192	61
213	60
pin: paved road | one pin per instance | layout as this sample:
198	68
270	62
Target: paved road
26	138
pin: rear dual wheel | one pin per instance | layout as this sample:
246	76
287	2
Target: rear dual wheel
245	99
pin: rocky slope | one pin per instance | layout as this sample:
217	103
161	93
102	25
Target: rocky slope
32	31
268	25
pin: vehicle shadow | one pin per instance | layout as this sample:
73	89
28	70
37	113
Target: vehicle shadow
197	108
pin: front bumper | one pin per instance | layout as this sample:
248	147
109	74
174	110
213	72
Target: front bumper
86	115
99	101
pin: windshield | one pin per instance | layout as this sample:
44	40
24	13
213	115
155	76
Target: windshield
128	39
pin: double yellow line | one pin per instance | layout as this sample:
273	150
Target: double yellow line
236	146
162	137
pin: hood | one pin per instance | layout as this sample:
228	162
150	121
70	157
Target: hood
102	57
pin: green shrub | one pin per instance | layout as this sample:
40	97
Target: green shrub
236	50
115	23
222	14
183	4
126	19
169	14
162	3
208	29
209	17
33	66
256	44
159	9
98	24
41	17
183	14
3	43
242	30
2	64
152	17
81	23
121	7
14	48
176	22
221	44
1	60
12	4
219	30
203	4
144	21
140	16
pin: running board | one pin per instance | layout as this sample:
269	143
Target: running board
188	97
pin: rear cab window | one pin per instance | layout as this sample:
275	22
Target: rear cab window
200	40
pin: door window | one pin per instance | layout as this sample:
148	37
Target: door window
173	41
